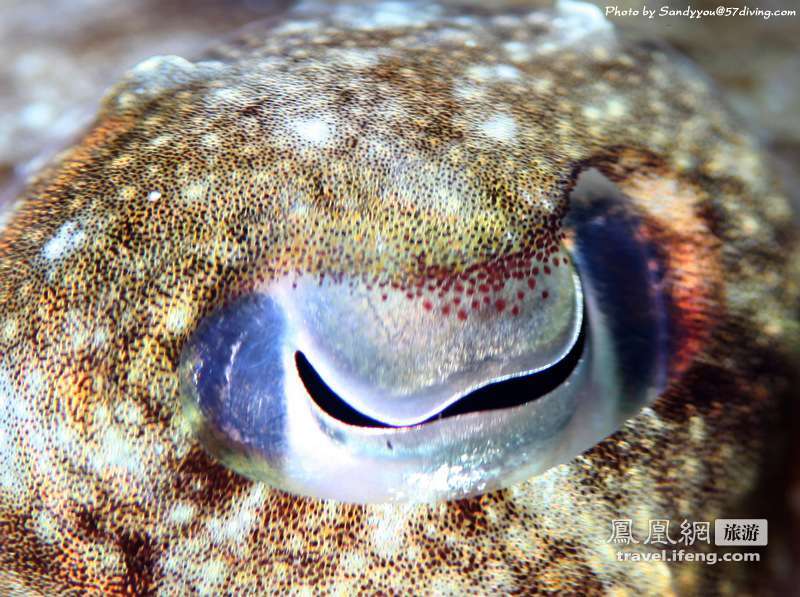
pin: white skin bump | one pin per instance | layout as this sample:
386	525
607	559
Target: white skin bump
316	131
500	127
67	239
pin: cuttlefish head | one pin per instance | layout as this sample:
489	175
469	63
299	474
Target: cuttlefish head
439	292
392	253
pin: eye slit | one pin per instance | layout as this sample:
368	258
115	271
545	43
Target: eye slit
507	393
327	399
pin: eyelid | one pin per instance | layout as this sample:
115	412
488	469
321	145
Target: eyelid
399	362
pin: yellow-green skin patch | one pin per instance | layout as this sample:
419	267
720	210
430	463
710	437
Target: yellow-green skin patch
339	143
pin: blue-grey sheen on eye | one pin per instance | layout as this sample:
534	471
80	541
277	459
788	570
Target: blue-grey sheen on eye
242	371
254	373
626	274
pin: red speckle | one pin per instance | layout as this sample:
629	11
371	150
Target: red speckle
476	304
459	287
462	315
457	301
555	261
515	310
545	294
483	288
384	297
446	310
531	283
427	305
535	271
520	295
487	300
546	270
409	295
500	305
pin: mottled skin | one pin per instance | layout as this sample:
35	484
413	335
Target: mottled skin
301	149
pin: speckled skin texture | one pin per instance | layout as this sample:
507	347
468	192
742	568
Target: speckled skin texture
329	144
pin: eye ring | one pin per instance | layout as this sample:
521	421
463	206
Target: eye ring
250	406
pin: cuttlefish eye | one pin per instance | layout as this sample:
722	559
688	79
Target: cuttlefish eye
454	383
